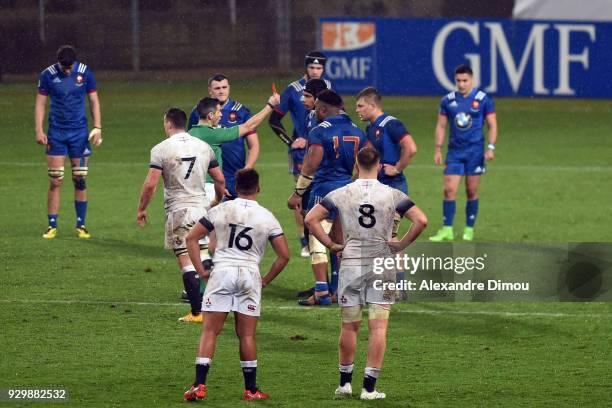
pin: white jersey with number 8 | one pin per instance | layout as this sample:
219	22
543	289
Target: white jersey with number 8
366	208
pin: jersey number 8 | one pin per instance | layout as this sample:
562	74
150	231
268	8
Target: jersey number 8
367	220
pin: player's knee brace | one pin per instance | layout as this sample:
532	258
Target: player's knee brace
318	252
376	311
79	175
350	314
56	174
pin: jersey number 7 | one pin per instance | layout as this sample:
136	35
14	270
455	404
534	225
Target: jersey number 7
350	139
189	159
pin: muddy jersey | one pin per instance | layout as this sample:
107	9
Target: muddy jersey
184	161
242	228
366	208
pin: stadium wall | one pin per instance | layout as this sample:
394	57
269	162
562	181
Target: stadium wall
189	34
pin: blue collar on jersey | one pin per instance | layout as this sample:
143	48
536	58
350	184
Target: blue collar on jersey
379	119
228	104
468	96
341	117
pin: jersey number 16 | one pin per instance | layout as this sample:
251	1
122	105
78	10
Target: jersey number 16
241	240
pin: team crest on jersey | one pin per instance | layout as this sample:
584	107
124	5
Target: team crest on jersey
377	133
475	105
79	80
233	115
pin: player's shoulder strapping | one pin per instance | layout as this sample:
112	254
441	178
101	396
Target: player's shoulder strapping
81	68
387	120
296	86
480	95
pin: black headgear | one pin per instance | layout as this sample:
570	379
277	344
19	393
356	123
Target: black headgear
315	57
331	98
314	86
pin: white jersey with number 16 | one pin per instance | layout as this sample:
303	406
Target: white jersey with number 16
242	228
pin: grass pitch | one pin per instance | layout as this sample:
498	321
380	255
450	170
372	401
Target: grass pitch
98	317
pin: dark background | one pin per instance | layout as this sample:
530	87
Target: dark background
191	34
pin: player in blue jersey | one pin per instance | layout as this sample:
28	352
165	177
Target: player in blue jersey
292	102
311	89
66	83
234	155
466	111
333	147
390	137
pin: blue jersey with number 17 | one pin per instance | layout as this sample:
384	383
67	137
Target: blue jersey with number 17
340	139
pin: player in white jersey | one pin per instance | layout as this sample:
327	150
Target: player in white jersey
366	209
183	161
241	228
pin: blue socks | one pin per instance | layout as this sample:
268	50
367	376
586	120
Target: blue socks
81	212
52	220
448	210
321	287
471	211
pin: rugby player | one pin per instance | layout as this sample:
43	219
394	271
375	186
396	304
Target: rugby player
66	83
182	161
465	111
233	113
333	146
242	228
292	102
366	209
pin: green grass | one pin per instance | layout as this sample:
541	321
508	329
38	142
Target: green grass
99	317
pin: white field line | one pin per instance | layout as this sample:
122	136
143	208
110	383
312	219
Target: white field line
494	167
412	311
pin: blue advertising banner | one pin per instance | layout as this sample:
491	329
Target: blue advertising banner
509	57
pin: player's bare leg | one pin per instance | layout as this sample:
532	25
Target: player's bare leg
347	344
377	343
79	177
446	233
472	183
55	166
245	330
318	259
212	326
